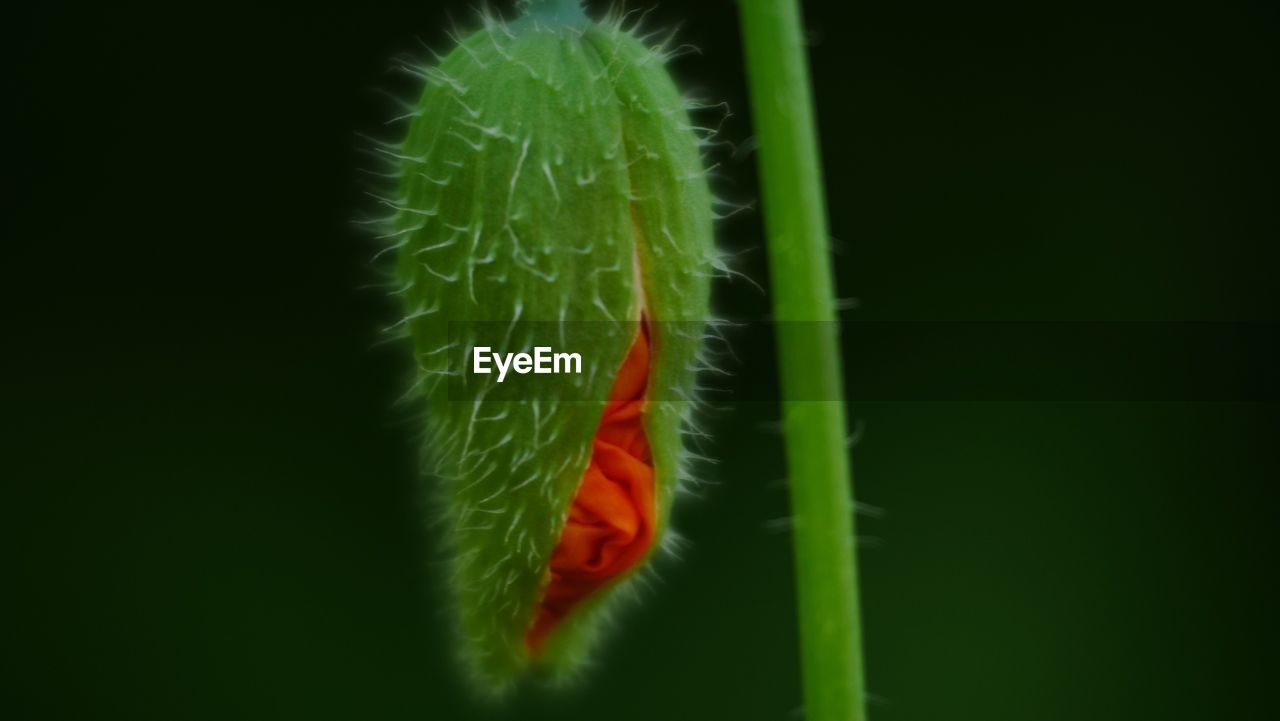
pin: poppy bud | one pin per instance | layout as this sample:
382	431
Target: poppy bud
551	183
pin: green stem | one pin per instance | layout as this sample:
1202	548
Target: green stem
555	12
809	355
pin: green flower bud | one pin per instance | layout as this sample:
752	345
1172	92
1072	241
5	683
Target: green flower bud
550	178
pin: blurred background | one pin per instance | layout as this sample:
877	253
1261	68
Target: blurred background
210	504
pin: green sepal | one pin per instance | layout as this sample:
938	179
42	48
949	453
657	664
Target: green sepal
545	160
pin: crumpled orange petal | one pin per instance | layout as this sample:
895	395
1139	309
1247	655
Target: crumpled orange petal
611	519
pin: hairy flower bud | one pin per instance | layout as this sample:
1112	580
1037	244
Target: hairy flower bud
551	179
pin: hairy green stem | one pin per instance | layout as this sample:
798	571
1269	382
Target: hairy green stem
809	356
564	12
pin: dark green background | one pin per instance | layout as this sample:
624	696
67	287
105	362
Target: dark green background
210	505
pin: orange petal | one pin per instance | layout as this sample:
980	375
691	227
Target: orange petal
611	519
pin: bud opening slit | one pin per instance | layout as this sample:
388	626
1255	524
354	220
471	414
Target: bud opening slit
611	520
